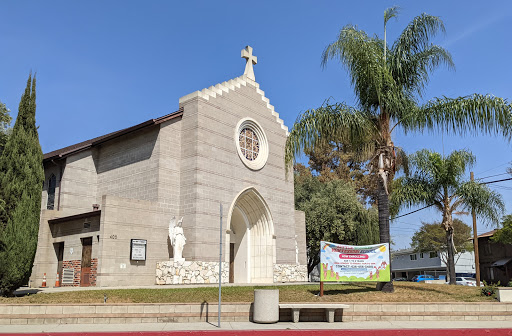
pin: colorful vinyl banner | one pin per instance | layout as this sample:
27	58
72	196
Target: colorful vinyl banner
354	263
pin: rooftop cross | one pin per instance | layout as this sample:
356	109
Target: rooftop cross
247	54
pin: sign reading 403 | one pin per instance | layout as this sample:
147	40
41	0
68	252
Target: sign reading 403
354	263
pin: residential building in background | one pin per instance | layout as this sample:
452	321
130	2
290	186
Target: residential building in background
495	259
407	263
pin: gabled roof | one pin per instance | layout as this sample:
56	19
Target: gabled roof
487	234
66	151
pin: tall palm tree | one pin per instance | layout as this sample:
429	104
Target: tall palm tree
388	91
439	181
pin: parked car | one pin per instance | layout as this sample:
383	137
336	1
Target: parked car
465	281
400	279
420	278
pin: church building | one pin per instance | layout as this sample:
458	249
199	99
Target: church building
108	202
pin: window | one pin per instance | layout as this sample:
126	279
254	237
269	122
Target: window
251	143
433	254
52	181
413	256
421	255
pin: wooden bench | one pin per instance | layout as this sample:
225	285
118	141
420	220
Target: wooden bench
329	309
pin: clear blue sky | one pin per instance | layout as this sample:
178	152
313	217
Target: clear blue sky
106	65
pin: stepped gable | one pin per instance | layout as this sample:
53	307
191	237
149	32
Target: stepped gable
232	85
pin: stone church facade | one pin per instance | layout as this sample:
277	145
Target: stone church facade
107	202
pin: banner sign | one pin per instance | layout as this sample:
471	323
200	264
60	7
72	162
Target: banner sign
354	263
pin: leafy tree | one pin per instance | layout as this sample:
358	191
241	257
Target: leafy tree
504	234
333	213
21	177
389	83
432	237
5	120
439	181
335	160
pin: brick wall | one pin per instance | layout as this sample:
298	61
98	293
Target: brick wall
77	266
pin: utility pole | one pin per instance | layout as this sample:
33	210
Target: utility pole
220	265
475	242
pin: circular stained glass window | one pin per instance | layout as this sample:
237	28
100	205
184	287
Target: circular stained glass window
249	144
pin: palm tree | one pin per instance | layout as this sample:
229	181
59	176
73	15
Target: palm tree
438	181
389	83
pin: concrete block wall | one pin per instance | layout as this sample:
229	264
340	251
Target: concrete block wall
124	219
71	233
212	171
127	166
168	154
79	184
242	312
45	260
300	231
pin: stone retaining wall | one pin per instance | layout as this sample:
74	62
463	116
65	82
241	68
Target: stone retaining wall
242	312
290	273
190	272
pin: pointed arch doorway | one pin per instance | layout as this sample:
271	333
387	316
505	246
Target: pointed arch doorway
251	239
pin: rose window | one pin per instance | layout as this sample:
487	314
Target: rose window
249	144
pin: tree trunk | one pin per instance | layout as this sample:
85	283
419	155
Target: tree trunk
451	256
383	207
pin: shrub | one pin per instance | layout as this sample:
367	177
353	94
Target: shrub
490	289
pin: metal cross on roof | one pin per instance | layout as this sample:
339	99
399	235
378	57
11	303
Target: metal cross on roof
250	60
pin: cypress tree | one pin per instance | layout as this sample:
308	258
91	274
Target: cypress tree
21	178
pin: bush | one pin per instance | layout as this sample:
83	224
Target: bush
490	289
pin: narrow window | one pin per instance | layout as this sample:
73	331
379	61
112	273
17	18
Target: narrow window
52	181
421	255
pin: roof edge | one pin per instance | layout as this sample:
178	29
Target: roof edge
81	146
94	213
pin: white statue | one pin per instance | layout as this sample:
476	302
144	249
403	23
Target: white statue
177	238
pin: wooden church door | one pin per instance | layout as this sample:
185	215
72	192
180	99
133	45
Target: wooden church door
86	262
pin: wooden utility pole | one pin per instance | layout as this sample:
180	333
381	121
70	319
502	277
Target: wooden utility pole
475	242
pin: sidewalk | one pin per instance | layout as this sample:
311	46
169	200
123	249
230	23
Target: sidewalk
204	326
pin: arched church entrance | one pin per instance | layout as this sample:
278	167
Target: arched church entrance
251	242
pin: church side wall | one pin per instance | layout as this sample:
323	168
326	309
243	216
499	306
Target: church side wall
300	231
169	158
51	168
127	166
45	260
79	184
124	219
213	172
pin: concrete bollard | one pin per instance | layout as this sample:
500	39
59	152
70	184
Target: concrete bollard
266	306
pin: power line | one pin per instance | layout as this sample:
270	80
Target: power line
483	178
490	182
428	206
501	165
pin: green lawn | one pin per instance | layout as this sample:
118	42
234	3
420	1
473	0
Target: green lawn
357	292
